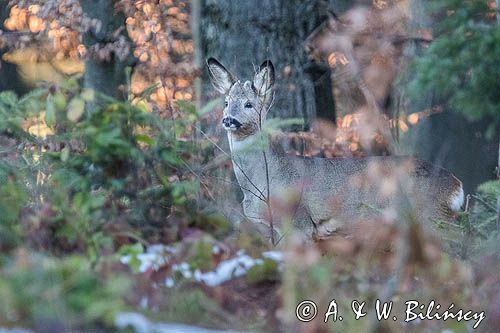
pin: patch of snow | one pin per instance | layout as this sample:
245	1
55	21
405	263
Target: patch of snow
155	256
141	324
169	282
143	303
225	270
216	249
184	269
161	249
273	255
228	269
148	261
14	330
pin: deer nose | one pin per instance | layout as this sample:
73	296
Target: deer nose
230	122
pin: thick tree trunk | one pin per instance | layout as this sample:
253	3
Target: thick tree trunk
104	76
498	177
198	52
324	102
9	75
242	34
498	164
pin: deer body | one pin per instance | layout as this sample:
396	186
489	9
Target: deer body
327	193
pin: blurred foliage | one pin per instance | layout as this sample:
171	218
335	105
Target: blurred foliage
490	189
158	36
117	165
13	197
460	66
37	289
87	184
483	214
193	303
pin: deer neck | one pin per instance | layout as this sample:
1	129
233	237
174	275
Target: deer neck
249	157
243	144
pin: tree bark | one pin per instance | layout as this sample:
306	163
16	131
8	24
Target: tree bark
324	103
498	177
242	34
198	53
498	164
104	76
9	75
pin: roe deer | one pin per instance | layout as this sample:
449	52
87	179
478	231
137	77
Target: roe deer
330	192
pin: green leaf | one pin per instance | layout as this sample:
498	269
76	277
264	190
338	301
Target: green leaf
171	157
187	107
149	90
60	101
71	83
76	109
88	95
133	249
145	139
65	154
8	97
50	112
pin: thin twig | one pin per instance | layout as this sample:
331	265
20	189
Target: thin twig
199	179
266	164
233	183
235	163
245	174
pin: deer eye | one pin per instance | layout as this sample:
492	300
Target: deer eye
226	104
248	105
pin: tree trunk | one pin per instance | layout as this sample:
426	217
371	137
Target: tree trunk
9	75
198	53
498	164
498	177
324	103
106	77
242	34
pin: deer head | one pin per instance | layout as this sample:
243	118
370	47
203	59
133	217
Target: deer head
246	104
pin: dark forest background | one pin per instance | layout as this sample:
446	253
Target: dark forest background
118	207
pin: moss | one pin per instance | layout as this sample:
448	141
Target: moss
193	306
265	272
200	254
214	224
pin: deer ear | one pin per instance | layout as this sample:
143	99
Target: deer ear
264	78
220	77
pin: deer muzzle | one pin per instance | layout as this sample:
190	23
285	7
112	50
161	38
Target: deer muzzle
231	123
